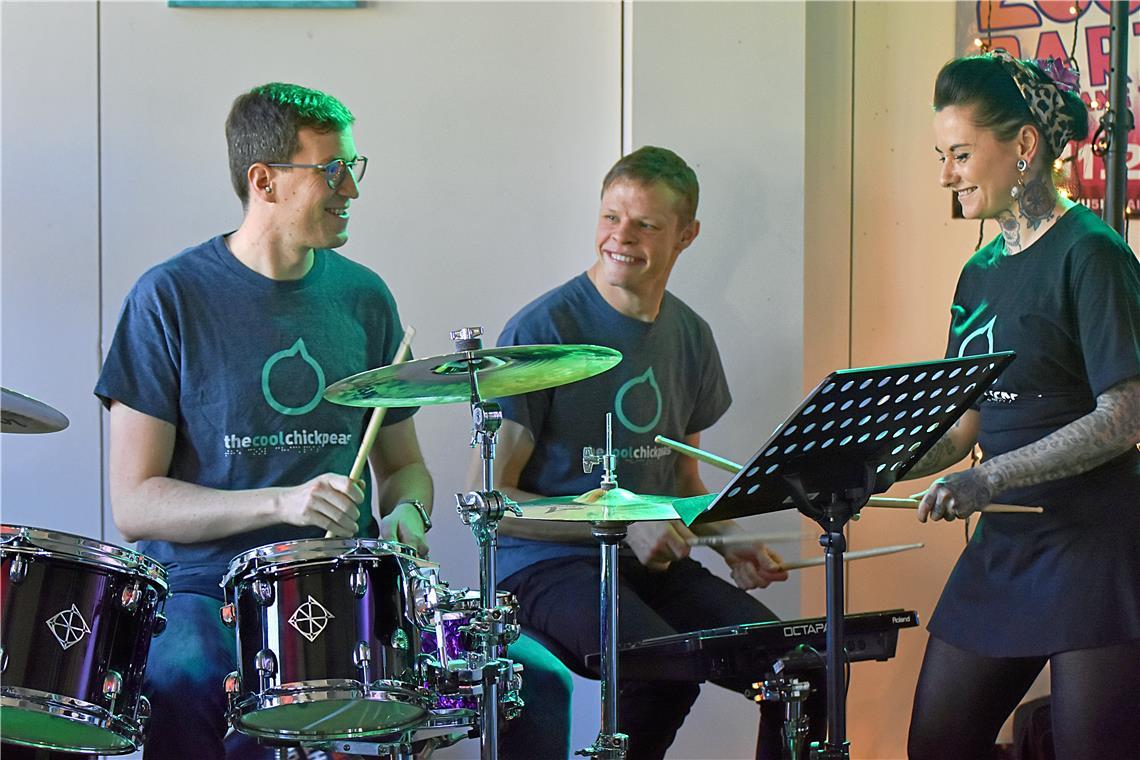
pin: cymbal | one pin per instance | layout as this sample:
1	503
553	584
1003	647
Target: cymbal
24	414
616	505
505	371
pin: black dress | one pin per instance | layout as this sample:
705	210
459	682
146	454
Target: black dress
1029	585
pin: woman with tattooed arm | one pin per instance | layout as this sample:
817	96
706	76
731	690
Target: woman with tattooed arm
1059	429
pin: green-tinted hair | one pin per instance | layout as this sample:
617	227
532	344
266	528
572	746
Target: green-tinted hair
649	164
263	123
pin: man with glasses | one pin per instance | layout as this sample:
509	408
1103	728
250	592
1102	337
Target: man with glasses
220	440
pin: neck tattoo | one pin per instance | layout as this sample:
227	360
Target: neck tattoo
1037	202
1010	231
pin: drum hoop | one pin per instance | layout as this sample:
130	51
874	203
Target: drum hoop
277	557
333	689
81	550
76	710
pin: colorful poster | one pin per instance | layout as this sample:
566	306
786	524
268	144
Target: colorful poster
1053	28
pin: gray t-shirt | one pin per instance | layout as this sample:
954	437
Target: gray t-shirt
238	363
670	382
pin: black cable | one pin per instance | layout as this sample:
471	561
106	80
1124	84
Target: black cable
1073	48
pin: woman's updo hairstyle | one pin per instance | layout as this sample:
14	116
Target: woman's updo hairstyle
1007	94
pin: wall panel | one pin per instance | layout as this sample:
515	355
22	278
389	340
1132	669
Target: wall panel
723	85
50	263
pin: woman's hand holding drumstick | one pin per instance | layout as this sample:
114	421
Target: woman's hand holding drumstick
875	501
376	419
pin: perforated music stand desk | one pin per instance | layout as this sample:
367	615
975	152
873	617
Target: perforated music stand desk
857	433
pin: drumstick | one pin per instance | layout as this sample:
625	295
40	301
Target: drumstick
875	501
912	503
700	454
744	538
801	563
377	417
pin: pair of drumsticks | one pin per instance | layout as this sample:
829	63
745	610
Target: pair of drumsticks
875	501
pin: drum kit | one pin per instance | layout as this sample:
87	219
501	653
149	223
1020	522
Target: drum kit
343	645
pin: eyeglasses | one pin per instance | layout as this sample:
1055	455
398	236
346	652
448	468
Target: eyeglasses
335	171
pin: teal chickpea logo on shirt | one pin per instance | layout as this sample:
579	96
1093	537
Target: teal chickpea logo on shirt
293	384
301	371
985	333
638	389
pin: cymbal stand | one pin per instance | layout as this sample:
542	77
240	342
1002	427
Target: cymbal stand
482	510
609	743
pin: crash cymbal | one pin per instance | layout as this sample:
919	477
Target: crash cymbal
505	371
616	505
24	414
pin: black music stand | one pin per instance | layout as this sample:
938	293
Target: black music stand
858	432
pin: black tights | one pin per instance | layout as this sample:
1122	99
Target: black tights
963	699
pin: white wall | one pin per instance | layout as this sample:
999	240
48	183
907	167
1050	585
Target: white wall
488	127
49	270
704	83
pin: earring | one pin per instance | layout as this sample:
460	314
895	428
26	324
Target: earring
1016	190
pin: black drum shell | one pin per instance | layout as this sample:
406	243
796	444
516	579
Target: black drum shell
118	639
379	616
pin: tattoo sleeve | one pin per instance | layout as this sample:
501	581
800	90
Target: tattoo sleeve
1101	435
948	450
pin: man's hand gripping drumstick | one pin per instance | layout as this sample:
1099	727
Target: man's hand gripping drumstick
376	419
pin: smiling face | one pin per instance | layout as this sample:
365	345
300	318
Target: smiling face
307	212
640	234
977	166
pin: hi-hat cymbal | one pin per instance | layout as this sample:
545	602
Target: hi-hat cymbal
616	505
505	371
24	414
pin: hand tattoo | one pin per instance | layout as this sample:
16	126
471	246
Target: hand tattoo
970	493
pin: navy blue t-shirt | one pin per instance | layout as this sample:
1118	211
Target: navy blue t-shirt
238	362
670	382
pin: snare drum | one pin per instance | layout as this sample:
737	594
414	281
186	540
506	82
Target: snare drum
78	616
327	639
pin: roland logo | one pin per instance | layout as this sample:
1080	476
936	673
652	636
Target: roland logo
898	619
806	629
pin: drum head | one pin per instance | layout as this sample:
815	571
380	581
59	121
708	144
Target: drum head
334	718
34	727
